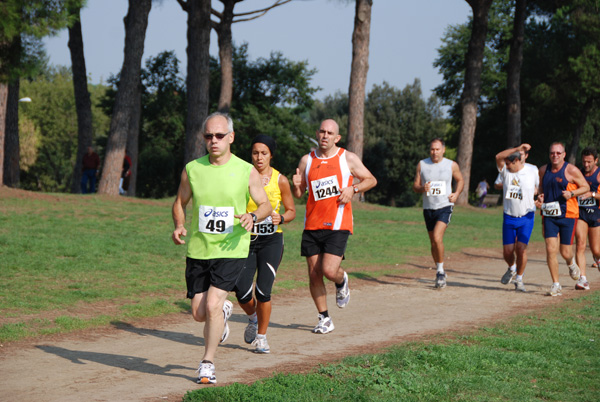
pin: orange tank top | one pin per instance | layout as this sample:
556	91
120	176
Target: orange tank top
325	178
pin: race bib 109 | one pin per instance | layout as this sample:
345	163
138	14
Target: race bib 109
215	220
325	188
514	193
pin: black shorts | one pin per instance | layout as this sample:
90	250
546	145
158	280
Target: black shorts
591	216
324	241
264	258
432	216
221	273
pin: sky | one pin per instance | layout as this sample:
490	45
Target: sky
405	36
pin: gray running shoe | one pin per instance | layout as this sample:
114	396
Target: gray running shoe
227	309
508	276
342	295
574	272
250	331
440	280
519	287
206	374
261	345
582	284
324	326
555	290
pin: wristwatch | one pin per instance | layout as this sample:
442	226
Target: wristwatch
282	220
355	189
594	195
253	217
572	195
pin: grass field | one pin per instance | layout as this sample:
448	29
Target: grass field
550	356
71	262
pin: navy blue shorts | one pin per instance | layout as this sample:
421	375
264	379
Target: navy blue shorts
221	273
324	242
517	229
591	216
565	227
432	216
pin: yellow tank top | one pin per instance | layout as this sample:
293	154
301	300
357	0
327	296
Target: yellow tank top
274	195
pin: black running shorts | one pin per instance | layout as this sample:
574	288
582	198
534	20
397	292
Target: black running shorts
221	273
324	242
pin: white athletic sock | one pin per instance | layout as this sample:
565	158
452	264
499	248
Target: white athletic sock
253	317
583	278
440	267
261	336
556	283
519	278
573	263
513	267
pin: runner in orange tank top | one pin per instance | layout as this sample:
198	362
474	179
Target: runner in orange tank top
328	174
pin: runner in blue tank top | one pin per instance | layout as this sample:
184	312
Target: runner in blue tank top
560	184
588	224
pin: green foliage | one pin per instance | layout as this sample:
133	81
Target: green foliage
399	125
53	114
553	356
561	66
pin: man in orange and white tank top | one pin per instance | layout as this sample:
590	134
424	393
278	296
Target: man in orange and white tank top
327	173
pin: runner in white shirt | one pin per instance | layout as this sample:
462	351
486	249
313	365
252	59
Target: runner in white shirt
519	186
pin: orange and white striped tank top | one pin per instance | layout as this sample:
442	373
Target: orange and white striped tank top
325	178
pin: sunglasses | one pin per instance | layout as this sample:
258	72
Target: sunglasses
219	136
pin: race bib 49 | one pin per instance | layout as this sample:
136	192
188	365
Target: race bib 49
215	220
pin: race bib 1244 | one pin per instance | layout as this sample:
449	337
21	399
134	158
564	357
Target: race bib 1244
325	188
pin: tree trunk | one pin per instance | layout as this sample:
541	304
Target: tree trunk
358	76
12	170
3	108
136	23
83	104
513	81
471	91
574	148
197	81
226	55
133	140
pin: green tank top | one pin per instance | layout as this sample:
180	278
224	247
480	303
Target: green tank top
218	193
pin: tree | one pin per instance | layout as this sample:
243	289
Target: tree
513	85
136	22
82	97
23	21
198	73
471	90
358	75
223	29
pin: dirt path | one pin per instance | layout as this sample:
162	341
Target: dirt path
157	361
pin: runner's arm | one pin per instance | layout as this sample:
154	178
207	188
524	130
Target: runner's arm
460	183
184	194
577	177
257	192
418	187
299	179
288	202
366	179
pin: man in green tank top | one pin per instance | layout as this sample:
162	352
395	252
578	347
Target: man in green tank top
219	185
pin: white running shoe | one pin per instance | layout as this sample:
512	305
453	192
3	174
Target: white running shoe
324	326
227	309
206	374
574	272
342	295
582	284
440	280
555	290
519	287
261	345
508	276
250	331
